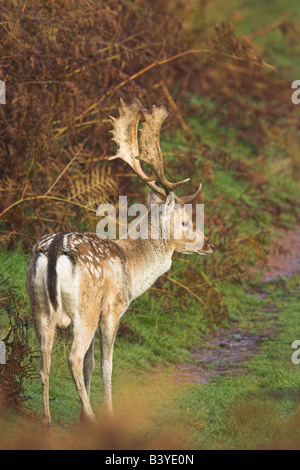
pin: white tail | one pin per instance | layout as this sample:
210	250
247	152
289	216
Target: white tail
84	280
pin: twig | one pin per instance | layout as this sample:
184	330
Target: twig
162	290
187	289
64	170
52	198
181	119
266	29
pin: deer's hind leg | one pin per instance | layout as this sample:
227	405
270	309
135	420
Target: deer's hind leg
44	324
80	361
88	366
45	331
109	324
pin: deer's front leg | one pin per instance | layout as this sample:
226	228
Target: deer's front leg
109	324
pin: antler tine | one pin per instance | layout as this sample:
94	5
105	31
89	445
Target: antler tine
192	197
150	151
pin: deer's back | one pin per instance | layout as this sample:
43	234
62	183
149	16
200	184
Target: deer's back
73	272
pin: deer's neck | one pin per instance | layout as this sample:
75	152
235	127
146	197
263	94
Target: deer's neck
146	261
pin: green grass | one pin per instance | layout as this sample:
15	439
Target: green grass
252	409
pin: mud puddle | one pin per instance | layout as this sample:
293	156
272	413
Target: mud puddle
227	350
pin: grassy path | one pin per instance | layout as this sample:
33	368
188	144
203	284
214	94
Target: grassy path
257	406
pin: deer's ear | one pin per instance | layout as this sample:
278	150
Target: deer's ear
169	204
154	198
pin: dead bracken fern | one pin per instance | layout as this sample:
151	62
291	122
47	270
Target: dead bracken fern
19	353
96	187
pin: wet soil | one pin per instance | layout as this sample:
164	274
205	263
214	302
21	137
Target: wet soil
226	354
228	349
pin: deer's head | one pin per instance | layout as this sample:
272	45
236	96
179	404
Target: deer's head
177	223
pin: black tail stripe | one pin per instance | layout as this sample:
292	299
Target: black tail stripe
55	250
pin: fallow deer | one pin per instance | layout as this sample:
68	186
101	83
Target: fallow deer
84	280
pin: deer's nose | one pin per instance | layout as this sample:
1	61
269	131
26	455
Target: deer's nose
211	246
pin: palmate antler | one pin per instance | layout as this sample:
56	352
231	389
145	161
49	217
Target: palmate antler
125	129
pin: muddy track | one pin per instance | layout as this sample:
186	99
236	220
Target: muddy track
228	349
226	352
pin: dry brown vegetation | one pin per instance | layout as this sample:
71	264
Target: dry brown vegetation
65	64
19	353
